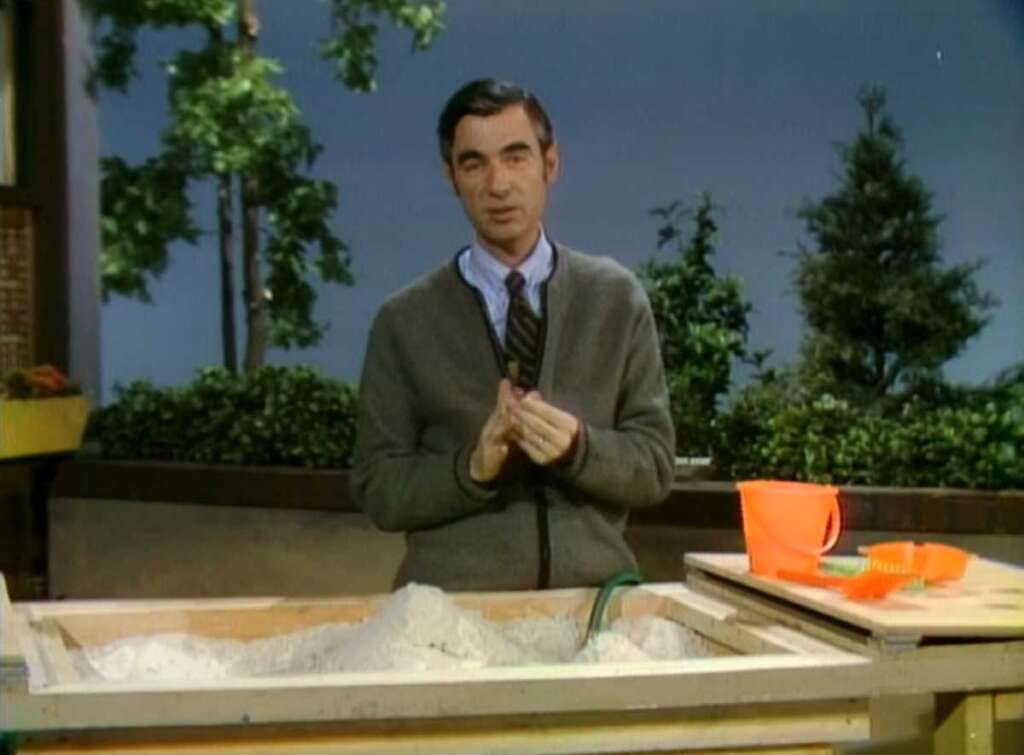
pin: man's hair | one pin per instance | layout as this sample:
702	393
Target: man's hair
489	97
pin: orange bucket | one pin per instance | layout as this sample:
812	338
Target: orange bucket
788	525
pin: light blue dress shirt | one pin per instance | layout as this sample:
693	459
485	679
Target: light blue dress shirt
486	274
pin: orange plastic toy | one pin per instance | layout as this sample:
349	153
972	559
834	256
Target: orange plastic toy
787	526
872	583
932	562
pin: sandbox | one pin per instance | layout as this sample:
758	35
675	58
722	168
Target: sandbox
771	678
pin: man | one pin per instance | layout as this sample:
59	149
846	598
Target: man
513	403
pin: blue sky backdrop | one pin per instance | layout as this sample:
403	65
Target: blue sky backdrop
652	101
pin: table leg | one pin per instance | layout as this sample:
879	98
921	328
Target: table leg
964	724
44	474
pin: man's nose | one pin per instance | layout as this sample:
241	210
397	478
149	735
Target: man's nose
498	180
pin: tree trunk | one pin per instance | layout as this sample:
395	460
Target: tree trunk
256	315
225	227
257	324
226	233
881	374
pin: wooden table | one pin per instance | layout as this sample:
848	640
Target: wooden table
963	641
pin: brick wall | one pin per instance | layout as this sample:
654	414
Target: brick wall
16	287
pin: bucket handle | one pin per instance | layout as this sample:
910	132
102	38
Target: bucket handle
833	530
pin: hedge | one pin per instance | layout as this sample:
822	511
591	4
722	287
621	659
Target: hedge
976	442
289	416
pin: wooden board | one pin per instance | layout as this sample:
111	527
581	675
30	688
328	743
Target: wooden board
8	649
987	603
12	659
85	623
691	731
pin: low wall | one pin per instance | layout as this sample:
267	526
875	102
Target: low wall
119	549
122	530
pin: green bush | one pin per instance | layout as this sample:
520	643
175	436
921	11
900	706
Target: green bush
289	416
702	323
778	431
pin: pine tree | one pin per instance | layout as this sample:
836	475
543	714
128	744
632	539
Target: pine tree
882	313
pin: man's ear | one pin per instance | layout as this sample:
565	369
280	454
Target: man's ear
449	177
552	163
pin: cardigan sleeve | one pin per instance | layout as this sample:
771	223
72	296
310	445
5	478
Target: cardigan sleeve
398	484
632	463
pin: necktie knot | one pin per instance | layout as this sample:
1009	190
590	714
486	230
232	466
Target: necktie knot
514	282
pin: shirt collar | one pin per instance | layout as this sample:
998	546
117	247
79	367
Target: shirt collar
535	269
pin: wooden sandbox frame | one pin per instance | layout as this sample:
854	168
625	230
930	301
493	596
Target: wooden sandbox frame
756	696
791	677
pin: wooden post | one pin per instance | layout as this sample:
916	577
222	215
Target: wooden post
964	724
10	652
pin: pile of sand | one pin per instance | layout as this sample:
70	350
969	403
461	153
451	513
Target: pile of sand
417	628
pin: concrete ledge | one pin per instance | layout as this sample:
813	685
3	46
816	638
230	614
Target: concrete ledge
206	484
690	504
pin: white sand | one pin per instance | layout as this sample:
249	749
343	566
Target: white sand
417	628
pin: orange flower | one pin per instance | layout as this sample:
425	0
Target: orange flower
49	379
44	381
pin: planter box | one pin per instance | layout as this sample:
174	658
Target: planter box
42	426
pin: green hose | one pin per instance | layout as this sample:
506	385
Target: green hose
624	577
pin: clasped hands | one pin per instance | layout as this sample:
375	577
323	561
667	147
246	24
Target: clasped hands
544	433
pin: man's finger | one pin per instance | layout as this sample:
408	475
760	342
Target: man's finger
551	444
508	396
504	389
535	404
562	427
534	447
534	423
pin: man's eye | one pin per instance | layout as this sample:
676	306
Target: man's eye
471	166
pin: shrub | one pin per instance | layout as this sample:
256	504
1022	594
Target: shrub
777	431
289	416
702	323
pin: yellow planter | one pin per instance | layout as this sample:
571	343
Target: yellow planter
42	426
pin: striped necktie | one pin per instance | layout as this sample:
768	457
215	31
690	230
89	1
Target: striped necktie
522	334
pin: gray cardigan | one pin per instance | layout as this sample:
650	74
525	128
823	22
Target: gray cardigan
429	382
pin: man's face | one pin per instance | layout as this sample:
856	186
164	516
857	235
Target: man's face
498	171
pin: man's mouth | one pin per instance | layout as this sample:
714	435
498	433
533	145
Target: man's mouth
502	213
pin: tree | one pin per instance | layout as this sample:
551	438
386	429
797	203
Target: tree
702	323
881	311
233	125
